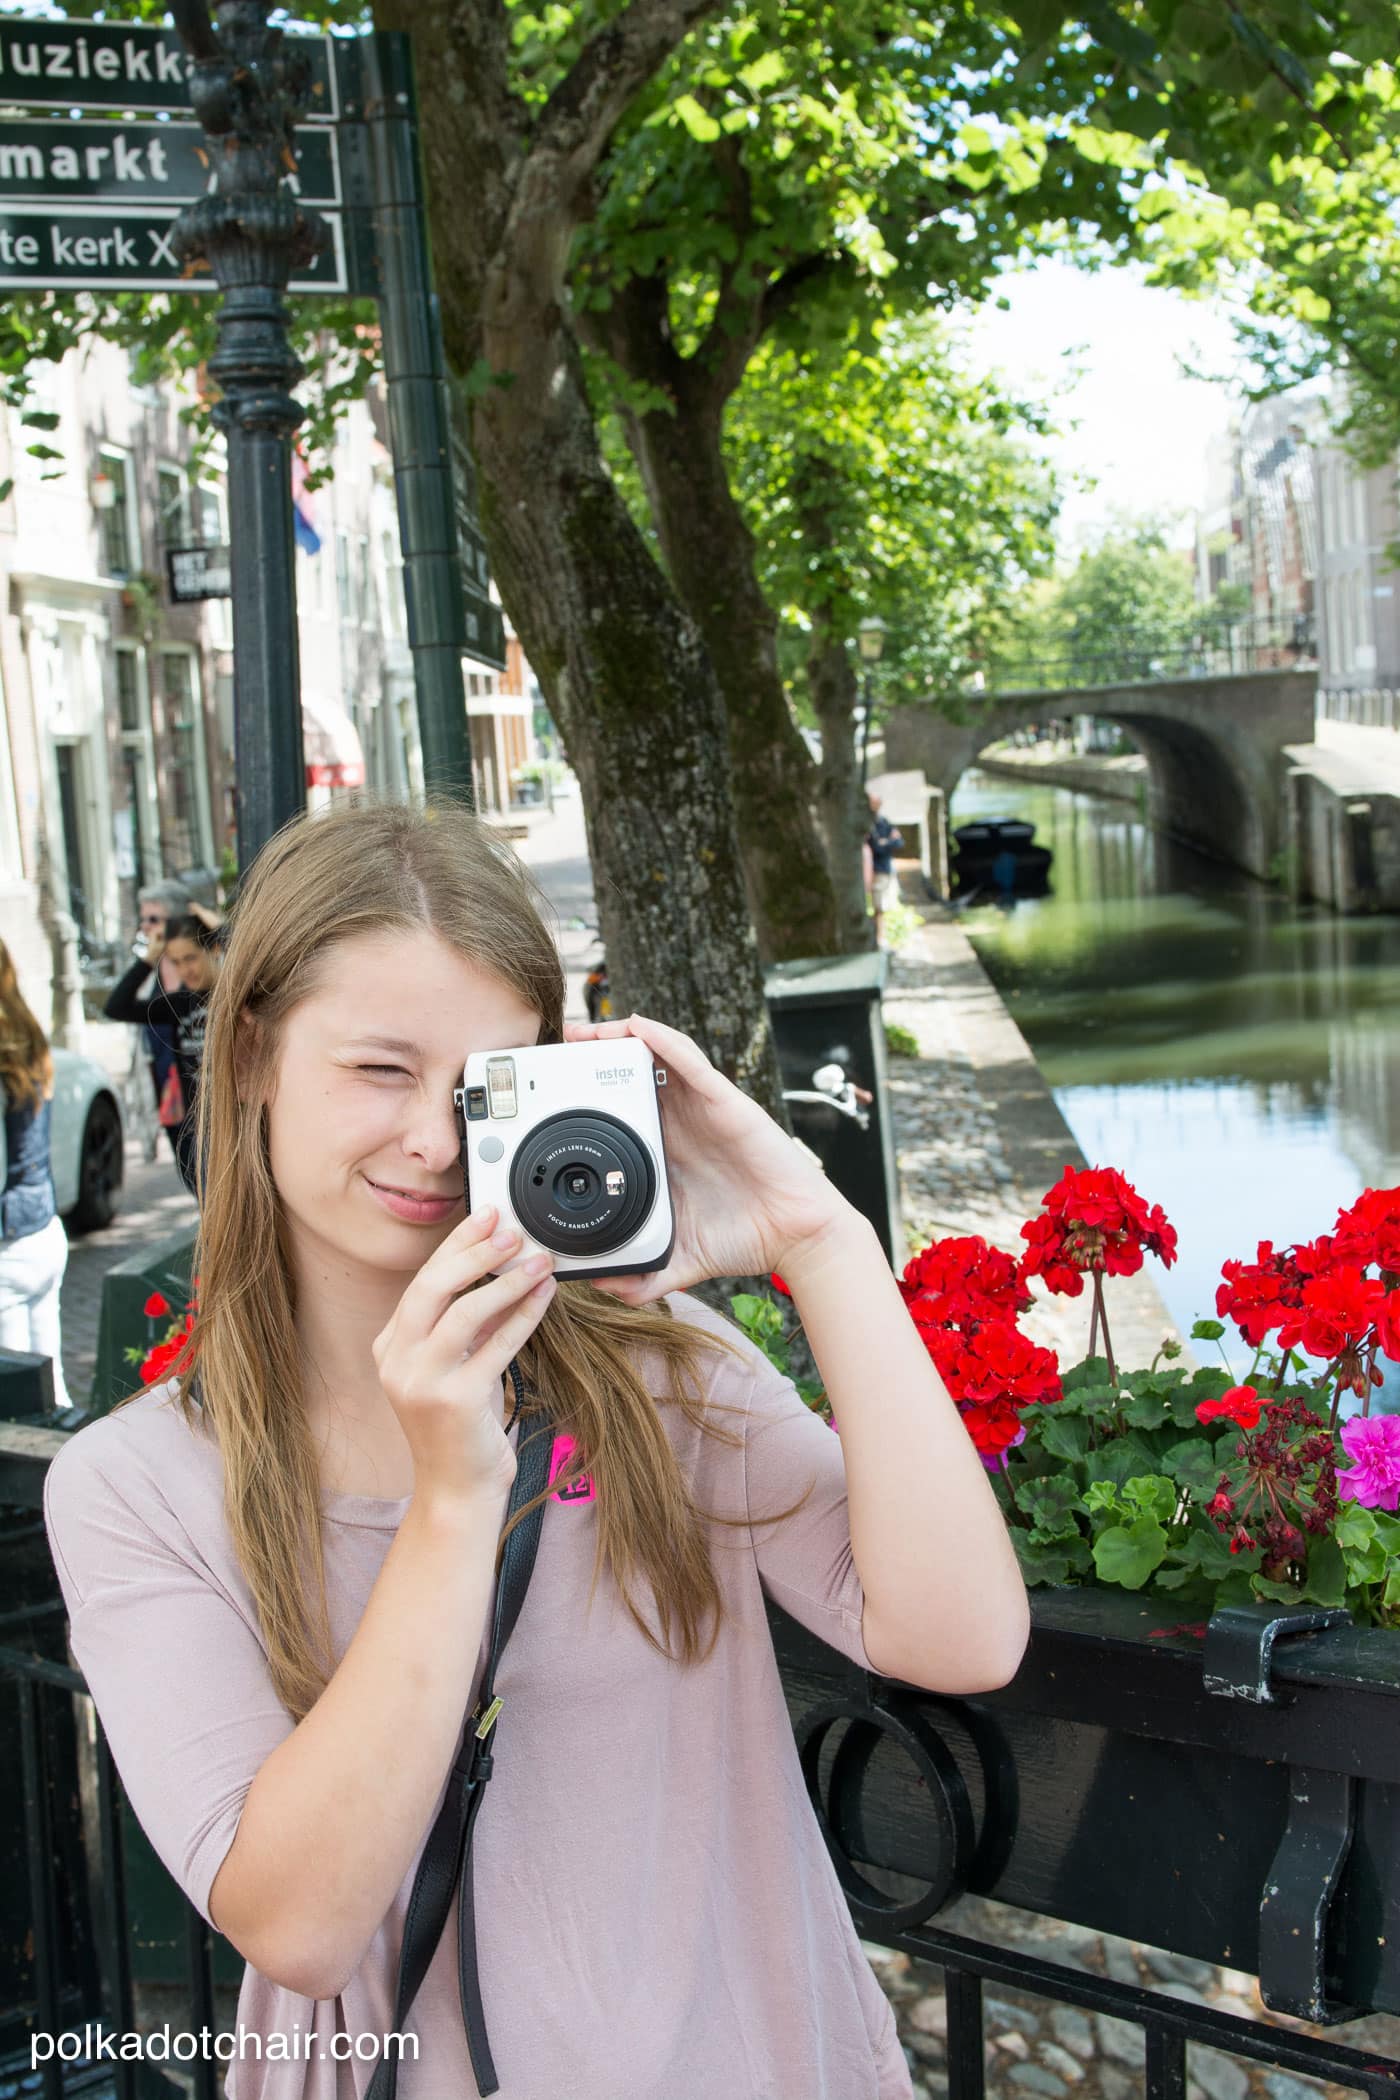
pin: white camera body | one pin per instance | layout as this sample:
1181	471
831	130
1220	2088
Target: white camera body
565	1140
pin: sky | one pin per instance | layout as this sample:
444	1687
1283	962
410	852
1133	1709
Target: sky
1143	428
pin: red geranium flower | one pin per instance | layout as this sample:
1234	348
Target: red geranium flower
163	1358
777	1282
1094	1219
156	1307
1240	1404
963	1280
993	1425
1334	1313
1369	1232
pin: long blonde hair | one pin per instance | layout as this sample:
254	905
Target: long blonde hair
320	882
26	1062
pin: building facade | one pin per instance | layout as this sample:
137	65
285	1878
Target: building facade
117	763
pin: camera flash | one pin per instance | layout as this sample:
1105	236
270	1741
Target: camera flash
500	1083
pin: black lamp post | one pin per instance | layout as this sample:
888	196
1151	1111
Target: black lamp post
870	636
248	86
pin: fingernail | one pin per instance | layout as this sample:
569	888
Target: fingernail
543	1287
538	1264
506	1237
486	1215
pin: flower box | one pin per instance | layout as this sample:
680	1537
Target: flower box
1230	1793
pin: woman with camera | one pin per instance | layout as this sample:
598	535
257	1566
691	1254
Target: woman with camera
167	992
310	1518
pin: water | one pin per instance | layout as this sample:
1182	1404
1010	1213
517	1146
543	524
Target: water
1234	1054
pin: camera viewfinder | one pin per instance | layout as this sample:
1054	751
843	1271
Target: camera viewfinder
500	1082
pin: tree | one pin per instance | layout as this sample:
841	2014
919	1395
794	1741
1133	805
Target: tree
872	162
885	480
1127	606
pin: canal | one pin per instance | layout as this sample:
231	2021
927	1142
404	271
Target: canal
1234	1054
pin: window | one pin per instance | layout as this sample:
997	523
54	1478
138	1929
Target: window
364	583
188	786
395	611
117	519
209	530
173	506
129	695
137	826
342	575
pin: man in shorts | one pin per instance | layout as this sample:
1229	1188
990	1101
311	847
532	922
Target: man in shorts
884	842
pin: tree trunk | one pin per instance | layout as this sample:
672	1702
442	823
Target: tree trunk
845	815
709	553
626	676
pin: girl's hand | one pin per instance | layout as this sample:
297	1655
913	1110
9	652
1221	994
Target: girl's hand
442	1358
205	916
746	1198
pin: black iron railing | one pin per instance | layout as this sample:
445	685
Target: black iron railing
79	1918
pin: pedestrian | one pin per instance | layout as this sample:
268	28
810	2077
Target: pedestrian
33	1243
884	842
156	905
191	948
308	1516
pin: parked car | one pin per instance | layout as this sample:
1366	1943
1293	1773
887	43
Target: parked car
87	1143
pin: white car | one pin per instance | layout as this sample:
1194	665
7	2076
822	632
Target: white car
86	1143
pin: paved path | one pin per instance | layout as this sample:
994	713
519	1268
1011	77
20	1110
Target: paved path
1351	758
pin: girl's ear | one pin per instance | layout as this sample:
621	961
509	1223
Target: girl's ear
247	1050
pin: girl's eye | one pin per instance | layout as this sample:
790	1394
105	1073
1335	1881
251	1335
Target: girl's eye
390	1069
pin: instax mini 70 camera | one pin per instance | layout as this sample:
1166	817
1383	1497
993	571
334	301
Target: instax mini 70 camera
565	1140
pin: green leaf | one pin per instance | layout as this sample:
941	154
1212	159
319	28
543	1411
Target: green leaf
1122	1458
1128	1553
1207	1330
1062	1436
765	72
1192	1463
1152	1496
697	121
1327	1573
1052	1504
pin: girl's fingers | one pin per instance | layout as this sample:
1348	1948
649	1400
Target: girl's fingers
494	1351
470	1319
465	1256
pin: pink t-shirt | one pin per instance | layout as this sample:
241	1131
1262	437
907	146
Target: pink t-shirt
657	1916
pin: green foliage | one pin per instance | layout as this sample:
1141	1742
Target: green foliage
900	1041
1127	608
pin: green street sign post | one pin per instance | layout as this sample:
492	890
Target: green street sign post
144	203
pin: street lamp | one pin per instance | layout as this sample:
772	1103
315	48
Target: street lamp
870	637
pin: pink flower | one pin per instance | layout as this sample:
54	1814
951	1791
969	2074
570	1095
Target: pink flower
1372	1443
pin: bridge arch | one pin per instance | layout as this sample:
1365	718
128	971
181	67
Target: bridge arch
1217	764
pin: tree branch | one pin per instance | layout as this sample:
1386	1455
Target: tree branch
583	112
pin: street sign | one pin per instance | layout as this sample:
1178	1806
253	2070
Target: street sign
195	573
64	248
155	161
486	639
128	65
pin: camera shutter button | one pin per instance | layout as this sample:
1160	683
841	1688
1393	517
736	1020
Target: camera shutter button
490	1149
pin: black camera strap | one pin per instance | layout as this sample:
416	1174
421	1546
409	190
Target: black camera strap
446	1863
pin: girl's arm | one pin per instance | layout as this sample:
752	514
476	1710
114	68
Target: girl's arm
945	1606
122	1002
333	1819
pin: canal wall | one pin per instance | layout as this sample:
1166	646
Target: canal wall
1122	776
1343	845
978	1135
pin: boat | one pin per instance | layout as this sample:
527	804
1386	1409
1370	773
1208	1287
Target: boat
998	857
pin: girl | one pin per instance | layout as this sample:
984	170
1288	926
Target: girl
33	1243
187	949
309	1521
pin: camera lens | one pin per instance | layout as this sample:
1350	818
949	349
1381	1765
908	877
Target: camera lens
583	1183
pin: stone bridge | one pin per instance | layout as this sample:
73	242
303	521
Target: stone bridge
1215	749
